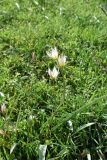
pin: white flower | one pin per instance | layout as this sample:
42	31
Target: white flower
61	61
53	53
3	107
53	73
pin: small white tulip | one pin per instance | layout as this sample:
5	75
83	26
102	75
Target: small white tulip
3	108
53	53
61	61
53	73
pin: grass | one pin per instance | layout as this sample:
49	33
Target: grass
70	114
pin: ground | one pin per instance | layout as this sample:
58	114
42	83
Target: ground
69	114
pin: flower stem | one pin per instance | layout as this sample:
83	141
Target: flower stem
63	88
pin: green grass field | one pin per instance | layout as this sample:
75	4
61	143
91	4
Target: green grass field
68	115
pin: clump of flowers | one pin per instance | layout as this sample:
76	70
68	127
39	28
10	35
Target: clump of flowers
61	62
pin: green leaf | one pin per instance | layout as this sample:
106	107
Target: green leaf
84	126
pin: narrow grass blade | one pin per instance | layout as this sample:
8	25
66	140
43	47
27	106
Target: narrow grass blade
88	156
12	148
84	126
42	151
